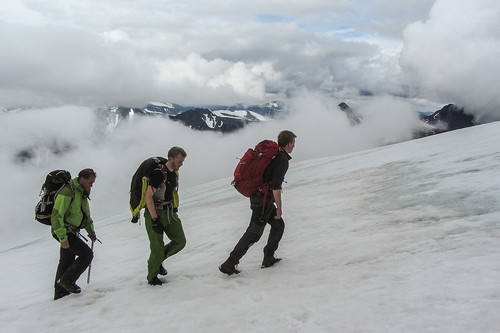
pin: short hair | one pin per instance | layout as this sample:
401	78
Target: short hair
285	137
176	151
86	173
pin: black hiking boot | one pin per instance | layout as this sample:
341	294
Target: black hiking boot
228	268
155	281
163	271
70	287
60	292
269	261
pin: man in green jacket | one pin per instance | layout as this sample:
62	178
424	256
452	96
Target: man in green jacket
70	214
162	201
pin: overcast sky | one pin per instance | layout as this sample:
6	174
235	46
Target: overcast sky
66	57
202	52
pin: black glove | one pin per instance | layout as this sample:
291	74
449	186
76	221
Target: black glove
94	239
156	225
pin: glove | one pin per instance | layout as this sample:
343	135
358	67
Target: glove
156	225
93	238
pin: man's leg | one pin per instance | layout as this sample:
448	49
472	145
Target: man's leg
175	233
156	245
85	255
66	258
250	237
275	235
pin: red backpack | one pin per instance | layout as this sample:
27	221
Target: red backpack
249	171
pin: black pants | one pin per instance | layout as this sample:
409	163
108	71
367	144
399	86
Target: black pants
70	267
255	230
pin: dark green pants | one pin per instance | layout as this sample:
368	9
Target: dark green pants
172	227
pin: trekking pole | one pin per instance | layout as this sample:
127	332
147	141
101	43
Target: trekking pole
90	265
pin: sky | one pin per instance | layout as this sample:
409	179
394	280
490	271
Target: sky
102	53
401	238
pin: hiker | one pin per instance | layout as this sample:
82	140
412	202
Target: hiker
274	174
70	214
162	201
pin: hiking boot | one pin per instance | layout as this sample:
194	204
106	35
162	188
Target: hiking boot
60	292
155	281
163	271
228	268
269	261
70	287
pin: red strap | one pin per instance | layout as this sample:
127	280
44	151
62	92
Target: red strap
265	189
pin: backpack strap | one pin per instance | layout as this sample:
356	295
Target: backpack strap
72	193
267	190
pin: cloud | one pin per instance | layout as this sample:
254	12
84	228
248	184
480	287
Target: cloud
74	137
195	73
104	53
455	53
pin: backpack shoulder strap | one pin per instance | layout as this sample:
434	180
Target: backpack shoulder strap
72	188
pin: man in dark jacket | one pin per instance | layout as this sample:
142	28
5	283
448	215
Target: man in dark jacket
271	214
70	214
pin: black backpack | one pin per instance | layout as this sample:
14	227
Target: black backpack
139	184
54	182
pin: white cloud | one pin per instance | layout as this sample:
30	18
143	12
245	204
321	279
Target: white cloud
455	53
102	53
80	138
242	80
105	53
116	36
194	69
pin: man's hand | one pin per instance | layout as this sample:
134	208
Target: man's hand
278	213
65	245
156	225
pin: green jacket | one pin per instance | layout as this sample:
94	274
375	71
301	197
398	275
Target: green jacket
68	212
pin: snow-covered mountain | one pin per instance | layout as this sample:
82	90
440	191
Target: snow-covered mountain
213	117
403	238
449	118
218	120
354	119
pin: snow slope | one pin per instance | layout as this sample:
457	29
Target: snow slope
403	238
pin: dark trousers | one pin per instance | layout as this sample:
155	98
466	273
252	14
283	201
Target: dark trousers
70	267
254	232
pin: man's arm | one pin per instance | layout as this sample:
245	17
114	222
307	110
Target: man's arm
150	204
90	223
61	206
277	199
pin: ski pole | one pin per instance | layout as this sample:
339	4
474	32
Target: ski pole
90	265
